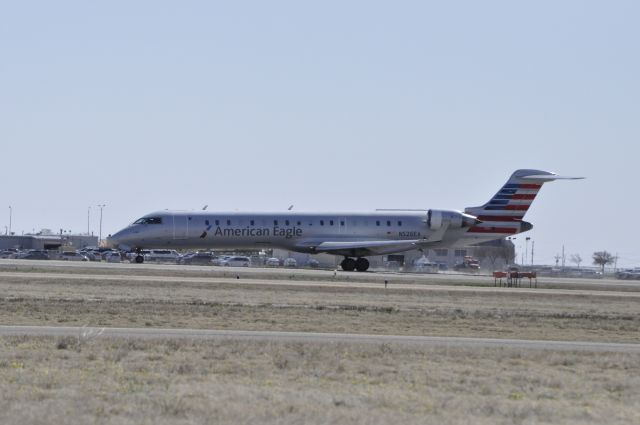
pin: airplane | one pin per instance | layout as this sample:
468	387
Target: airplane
353	236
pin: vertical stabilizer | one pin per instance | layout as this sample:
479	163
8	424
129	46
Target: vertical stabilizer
504	213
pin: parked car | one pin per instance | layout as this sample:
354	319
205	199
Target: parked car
73	256
290	262
113	257
424	265
221	260
35	255
92	255
468	264
272	262
236	261
198	258
628	274
161	255
185	257
7	254
313	263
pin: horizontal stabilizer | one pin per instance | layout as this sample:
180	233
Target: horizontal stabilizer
549	177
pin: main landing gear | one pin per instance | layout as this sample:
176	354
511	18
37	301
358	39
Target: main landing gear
349	264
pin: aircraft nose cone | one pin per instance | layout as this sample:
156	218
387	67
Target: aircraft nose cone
109	242
117	241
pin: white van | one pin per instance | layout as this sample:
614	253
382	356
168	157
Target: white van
236	261
73	256
161	255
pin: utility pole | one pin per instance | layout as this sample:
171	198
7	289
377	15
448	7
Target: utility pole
563	257
101	206
88	220
10	217
526	250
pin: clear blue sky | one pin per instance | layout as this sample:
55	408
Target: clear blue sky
332	105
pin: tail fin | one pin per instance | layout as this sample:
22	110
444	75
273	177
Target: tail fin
503	214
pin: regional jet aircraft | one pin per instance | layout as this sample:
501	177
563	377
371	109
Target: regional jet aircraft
354	236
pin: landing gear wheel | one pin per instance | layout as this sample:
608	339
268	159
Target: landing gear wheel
362	264
348	264
139	259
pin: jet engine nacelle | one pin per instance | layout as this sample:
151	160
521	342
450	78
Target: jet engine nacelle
436	219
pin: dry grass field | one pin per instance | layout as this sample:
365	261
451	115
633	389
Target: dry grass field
104	381
140	301
111	380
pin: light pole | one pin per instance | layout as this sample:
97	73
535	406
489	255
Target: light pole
533	244
88	220
526	250
10	216
515	256
101	206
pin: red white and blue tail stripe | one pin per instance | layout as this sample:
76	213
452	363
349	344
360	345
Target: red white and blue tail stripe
503	214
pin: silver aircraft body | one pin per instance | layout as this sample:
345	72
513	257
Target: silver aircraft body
354	236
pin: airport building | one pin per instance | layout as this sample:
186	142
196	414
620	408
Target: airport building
47	241
494	255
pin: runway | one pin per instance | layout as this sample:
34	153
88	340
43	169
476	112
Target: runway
323	283
315	305
307	276
270	336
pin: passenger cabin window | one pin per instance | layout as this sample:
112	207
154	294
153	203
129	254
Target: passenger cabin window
275	222
378	223
399	224
321	222
252	222
286	222
228	222
217	222
342	223
388	223
149	220
298	223
331	222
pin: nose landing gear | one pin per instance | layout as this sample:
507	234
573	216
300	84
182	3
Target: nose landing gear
349	264
139	257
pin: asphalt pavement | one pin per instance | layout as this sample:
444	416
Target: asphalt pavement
205	334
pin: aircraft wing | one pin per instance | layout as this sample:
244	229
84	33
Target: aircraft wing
362	247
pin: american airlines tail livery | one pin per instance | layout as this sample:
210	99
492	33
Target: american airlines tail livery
351	235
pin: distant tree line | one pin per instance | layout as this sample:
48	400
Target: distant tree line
603	258
492	254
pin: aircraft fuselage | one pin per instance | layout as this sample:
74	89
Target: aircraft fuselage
294	231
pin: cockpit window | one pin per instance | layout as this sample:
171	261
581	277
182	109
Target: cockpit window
149	220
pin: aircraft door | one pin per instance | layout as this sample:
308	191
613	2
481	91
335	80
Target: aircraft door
343	226
180	227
